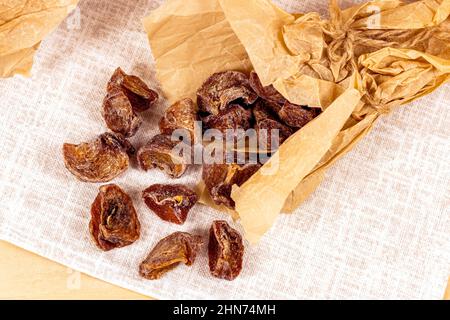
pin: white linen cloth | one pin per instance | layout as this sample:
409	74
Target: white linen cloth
378	227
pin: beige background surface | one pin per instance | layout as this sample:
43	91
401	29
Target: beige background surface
25	275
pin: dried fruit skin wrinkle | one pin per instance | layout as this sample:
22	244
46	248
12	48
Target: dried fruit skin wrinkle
114	221
180	247
126	96
100	160
268	93
180	116
119	115
171	203
223	88
158	153
290	114
297	116
266	122
140	95
233	118
225	251
220	178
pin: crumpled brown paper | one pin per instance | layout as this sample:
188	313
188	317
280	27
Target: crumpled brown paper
191	41
362	62
23	25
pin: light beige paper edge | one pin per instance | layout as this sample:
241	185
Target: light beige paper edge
21	33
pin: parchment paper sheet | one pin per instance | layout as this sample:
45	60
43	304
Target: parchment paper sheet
23	25
378	230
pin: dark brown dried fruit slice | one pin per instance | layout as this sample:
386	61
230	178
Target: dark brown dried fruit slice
261	111
292	115
217	178
180	247
267	126
220	178
297	116
170	202
159	153
268	93
225	251
114	222
271	134
180	116
233	118
100	160
139	94
118	113
223	88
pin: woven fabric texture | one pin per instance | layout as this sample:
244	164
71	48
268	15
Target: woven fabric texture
378	227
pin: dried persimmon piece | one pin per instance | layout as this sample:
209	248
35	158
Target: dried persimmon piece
171	203
223	88
100	160
182	115
119	114
220	178
225	251
269	128
261	111
297	116
243	173
268	93
234	118
292	115
215	177
139	94
179	247
160	153
114	221
271	134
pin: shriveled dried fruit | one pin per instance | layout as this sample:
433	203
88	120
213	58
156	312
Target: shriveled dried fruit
223	88
217	178
233	118
114	221
139	94
220	178
180	247
261	111
268	93
297	116
243	173
100	160
159	153
268	127
271	134
225	251
118	113
292	115
170	202
180	116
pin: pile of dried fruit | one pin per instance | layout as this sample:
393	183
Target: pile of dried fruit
232	101
227	101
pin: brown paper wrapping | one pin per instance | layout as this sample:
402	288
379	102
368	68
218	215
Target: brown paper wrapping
361	63
23	25
189	43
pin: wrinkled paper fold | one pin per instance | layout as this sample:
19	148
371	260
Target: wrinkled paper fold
363	62
189	43
23	25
